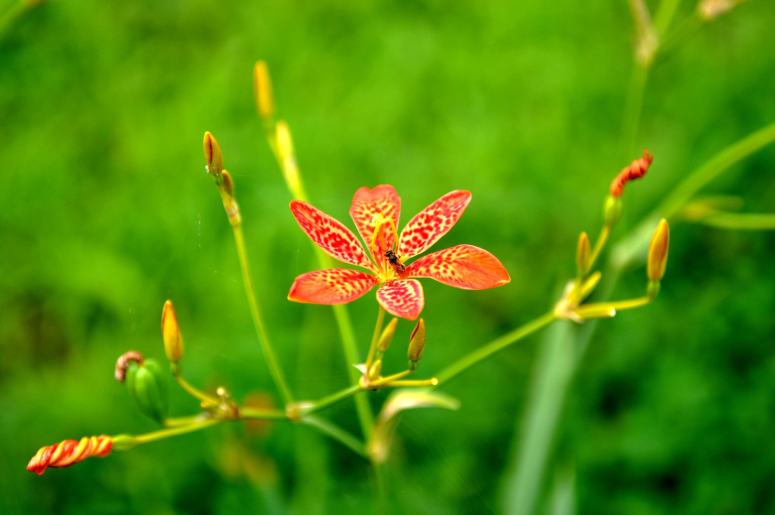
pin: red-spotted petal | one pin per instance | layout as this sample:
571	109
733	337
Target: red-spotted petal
432	223
402	298
329	234
332	286
461	266
368	208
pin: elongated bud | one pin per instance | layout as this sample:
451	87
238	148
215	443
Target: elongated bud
612	210
213	156
583	254
69	452
170	331
149	390
416	344
284	141
375	370
287	158
262	89
387	336
658	249
636	170
603	310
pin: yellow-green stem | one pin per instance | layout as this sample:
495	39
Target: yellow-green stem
387	381
335	397
337	434
258	321
375	336
740	221
174	431
599	246
194	391
494	346
247	413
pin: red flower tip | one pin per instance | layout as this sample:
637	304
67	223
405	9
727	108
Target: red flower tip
69	452
635	170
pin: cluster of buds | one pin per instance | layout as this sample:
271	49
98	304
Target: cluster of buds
571	305
223	180
372	370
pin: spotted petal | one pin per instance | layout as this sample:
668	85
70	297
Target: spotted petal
461	266
368	207
331	286
329	234
402	298
432	223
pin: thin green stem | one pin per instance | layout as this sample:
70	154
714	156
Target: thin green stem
174	431
193	390
258	321
494	346
335	397
181	421
599	245
247	413
375	336
740	221
337	433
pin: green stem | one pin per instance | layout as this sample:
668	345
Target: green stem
246	413
258	321
193	390
740	221
599	245
337	433
174	431
335	397
375	336
494	346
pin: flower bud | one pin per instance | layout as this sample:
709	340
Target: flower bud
147	386
416	344
170	331
69	452
658	249
387	336
375	370
583	254
262	88
612	210
213	156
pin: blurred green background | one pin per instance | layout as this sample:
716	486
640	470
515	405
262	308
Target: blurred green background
107	212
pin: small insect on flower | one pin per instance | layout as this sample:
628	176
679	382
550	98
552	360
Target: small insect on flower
395	262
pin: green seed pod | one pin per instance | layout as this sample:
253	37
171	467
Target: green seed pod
147	386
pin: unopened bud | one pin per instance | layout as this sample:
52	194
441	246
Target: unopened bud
583	254
124	361
635	170
262	88
387	336
612	210
213	156
375	370
658	250
69	452
170	331
416	344
147	386
284	141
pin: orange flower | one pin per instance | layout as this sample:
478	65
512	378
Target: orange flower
69	452
375	213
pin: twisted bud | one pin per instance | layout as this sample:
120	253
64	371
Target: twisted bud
69	452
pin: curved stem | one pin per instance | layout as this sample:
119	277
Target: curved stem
494	346
335	397
375	336
193	390
337	434
258	321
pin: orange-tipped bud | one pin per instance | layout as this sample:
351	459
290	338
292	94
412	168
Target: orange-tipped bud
658	250
387	336
583	254
213	155
416	344
228	183
69	452
262	88
170	331
635	170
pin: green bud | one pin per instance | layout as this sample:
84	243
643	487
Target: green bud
612	210
147	386
387	336
416	344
